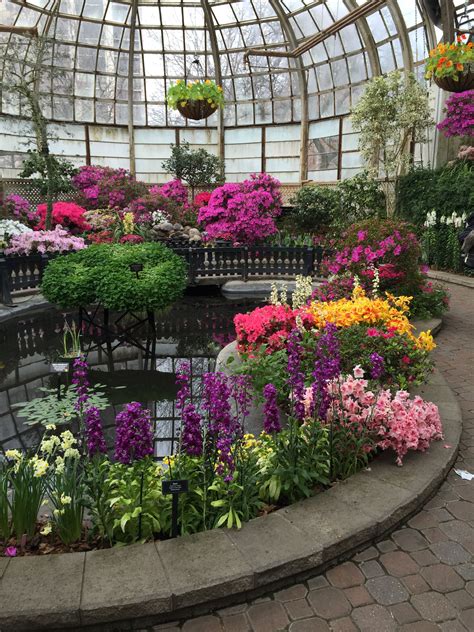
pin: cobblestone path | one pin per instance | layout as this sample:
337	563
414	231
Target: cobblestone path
421	579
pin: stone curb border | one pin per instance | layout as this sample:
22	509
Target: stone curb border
131	587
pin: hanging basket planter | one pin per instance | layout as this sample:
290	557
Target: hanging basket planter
195	100
196	110
451	65
464	82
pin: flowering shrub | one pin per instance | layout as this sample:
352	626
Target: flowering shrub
174	190
243	212
374	333
389	420
103	187
269	326
101	219
450	60
389	245
10	228
43	241
66	214
131	239
459	119
202	199
19	208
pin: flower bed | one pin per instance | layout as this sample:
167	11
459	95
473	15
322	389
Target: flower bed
323	420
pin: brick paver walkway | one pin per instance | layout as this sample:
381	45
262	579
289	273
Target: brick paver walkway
421	579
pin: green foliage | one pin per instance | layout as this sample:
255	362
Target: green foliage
197	167
314	208
4	518
130	506
207	90
360	198
49	409
392	112
319	208
446	190
66	493
299	461
53	174
27	492
101	274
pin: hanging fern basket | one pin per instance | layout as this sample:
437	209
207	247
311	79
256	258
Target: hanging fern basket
196	110
464	82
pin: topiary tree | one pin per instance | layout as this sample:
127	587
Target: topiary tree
196	167
392	114
101	274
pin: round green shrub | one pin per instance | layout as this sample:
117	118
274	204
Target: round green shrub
101	274
314	207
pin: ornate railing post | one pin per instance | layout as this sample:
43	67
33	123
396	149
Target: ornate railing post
5	282
308	261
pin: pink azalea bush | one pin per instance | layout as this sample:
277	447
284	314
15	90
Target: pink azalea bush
389	420
269	325
104	187
389	245
244	212
174	190
66	214
44	241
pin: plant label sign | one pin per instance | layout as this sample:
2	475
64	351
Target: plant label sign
60	367
175	486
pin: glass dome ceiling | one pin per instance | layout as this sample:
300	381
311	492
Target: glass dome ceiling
101	45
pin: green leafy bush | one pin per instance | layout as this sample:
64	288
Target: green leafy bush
319	208
314	208
445	190
101	274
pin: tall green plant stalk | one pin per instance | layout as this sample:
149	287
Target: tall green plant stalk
28	489
4	519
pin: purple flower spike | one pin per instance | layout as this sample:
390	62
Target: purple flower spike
327	366
80	379
191	431
93	430
378	366
271	413
295	374
134	435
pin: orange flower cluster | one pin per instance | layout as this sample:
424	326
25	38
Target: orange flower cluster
450	59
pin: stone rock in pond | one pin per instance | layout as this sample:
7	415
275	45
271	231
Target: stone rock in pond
178	227
193	232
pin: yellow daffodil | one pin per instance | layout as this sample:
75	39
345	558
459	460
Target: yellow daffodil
46	530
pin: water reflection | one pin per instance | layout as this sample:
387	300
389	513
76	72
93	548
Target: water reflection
195	329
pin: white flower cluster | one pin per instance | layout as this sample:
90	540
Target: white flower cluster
159	216
278	299
9	228
303	290
448	220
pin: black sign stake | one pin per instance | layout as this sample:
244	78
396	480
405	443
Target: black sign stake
175	488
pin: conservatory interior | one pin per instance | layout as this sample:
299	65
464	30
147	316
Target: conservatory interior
236	308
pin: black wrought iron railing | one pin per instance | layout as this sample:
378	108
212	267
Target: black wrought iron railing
206	265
